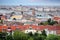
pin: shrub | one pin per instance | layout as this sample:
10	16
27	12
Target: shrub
52	37
19	35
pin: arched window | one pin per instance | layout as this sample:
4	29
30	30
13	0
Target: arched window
14	18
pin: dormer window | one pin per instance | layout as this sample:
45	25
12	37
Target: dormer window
39	15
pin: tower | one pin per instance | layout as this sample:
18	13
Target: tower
33	12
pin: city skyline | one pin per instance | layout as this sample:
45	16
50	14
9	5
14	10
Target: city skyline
31	2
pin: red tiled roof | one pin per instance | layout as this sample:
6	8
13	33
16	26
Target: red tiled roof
5	27
21	27
0	27
13	28
35	27
25	27
57	28
41	27
52	28
46	27
56	18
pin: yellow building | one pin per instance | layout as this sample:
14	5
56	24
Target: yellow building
17	17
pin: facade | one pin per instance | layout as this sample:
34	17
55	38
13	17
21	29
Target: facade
17	17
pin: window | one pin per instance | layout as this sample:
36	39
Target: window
14	18
39	15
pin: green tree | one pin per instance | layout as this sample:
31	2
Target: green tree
36	36
49	20
44	33
30	34
52	37
9	37
19	35
41	23
30	38
1	21
3	35
58	37
52	22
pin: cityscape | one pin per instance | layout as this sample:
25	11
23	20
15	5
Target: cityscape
29	22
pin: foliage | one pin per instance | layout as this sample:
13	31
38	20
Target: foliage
44	33
9	37
48	22
43	23
58	37
3	35
52	22
19	35
30	34
1	21
52	37
30	38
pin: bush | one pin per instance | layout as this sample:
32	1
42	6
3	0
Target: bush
3	35
9	37
44	33
48	22
30	38
58	37
52	37
19	35
30	34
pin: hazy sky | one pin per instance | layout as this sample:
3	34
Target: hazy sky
31	2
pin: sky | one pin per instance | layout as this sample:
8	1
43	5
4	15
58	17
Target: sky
31	2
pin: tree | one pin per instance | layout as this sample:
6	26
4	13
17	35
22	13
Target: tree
44	33
41	23
1	21
58	37
49	20
36	34
3	35
9	37
30	38
19	35
39	37
30	34
52	37
52	22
